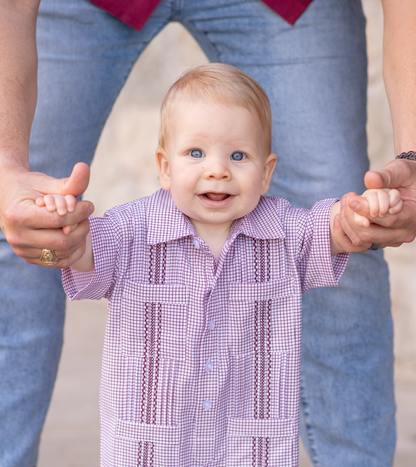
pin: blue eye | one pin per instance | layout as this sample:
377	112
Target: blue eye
238	156
197	153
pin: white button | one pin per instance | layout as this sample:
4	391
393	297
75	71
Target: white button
209	366
196	244
212	325
207	404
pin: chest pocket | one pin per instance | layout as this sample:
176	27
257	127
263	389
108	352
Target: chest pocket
264	317
154	320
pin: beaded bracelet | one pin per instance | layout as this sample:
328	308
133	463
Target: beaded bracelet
410	156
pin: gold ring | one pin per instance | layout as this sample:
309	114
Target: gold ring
48	257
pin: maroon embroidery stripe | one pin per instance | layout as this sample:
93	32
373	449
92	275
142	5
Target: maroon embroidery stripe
152	351
145	454
260	452
158	255
151	264
256	359
254	452
152	364
139	455
156	265
269	360
145	364
266	451
163	271
262	352
156	358
151	449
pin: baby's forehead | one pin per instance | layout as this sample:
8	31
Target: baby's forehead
179	102
186	99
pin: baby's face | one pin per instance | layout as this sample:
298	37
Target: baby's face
215	163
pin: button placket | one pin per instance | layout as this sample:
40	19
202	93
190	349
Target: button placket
208	385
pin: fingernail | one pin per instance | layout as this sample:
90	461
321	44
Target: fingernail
90	210
354	205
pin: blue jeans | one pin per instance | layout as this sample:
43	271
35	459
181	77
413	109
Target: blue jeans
315	76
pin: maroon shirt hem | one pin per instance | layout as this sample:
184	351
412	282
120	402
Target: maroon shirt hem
135	13
289	10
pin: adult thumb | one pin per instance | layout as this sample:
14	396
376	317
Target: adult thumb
374	180
77	182
397	173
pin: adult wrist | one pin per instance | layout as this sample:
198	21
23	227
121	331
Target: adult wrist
409	156
14	161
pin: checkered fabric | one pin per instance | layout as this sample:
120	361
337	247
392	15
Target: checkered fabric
201	359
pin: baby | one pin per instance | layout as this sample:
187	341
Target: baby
204	280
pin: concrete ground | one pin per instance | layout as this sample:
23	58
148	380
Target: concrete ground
71	434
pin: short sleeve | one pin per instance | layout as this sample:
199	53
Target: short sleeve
316	266
99	283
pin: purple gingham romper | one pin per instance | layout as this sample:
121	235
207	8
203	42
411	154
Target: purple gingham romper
201	363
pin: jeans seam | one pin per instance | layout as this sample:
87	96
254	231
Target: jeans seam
176	14
311	448
206	45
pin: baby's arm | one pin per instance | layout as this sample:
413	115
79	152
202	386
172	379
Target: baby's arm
64	205
380	202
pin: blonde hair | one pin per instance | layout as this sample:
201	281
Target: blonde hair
220	84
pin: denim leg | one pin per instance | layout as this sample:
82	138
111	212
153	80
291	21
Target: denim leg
85	56
315	74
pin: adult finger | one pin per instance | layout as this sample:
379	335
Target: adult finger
32	217
403	221
51	239
32	255
65	259
374	233
397	173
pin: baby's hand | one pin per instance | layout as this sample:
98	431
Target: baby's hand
380	202
61	204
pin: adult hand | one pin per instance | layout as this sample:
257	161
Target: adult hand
390	230
338	231
29	228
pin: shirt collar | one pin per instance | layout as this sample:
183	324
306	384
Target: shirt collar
166	222
262	223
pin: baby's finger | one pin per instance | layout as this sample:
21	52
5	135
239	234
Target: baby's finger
49	201
383	202
397	208
60	203
394	197
40	202
69	228
70	203
372	200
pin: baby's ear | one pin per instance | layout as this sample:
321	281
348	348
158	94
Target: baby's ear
162	162
268	170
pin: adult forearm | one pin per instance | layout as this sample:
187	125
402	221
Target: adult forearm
18	79
400	70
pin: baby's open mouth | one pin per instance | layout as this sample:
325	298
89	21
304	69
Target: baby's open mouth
216	196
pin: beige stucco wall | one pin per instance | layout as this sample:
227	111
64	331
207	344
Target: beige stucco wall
124	166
